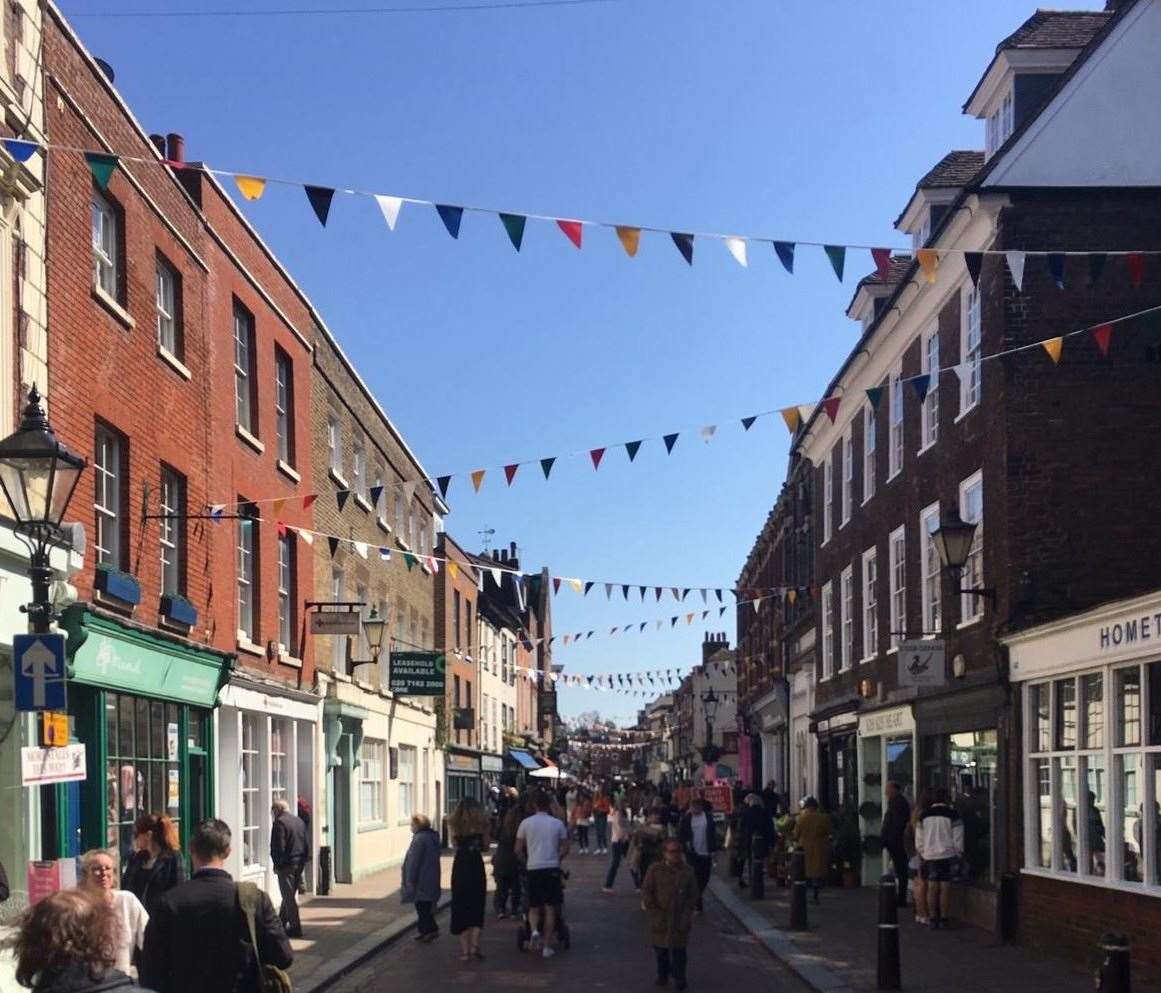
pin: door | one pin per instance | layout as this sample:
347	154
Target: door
341	825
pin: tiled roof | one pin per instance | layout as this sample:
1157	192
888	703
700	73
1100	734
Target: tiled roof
1056	29
954	169
895	272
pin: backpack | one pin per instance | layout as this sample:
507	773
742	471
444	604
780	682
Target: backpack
271	979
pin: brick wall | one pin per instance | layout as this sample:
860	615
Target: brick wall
461	666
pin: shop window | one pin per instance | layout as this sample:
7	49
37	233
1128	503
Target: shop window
280	738
372	773
406	782
965	764
251	789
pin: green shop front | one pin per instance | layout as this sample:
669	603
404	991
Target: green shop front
142	704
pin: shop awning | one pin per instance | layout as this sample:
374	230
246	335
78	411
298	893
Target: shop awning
523	759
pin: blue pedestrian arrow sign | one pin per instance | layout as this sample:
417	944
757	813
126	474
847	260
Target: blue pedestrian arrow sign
40	671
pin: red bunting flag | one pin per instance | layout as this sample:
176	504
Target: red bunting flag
831	406
510	472
1102	336
556	588
882	257
572	231
596	455
1136	264
308	500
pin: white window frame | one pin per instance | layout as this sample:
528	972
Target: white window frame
338	641
930	573
284	406
106	233
848	496
870	576
870	459
246	579
895	422
251	733
244	369
167	315
929	412
281	737
335	444
827	641
970	349
847	617
373	759
972	577
407	793
170	531
362	646
897	562
827	497
107	496
286	592
359	467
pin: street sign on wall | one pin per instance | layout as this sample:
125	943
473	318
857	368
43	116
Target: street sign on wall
417	673
40	671
921	663
52	765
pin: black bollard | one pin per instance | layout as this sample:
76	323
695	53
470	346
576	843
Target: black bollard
888	973
757	869
798	921
1113	975
323	887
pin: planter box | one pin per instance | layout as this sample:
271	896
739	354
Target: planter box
118	585
179	610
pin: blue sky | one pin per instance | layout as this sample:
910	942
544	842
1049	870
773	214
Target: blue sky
790	120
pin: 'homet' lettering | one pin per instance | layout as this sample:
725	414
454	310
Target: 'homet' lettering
1130	632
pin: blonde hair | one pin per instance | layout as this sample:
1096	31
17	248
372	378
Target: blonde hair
91	856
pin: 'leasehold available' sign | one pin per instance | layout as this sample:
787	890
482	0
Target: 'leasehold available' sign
417	673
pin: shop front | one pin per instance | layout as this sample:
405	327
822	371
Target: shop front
518	763
838	763
491	771
887	753
771	720
803	779
1086	694
462	775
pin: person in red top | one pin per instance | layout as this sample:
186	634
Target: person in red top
602	806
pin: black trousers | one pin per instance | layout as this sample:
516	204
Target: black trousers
289	876
670	962
900	861
701	869
425	911
507	888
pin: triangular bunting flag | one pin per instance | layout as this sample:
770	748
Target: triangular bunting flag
721	612
478	478
630	239
577	585
304	535
657	592
874	396
1015	262
572	231
277	505
625	591
443	482
1056	268
101	166
308	500
838	256
376	493
608	591
718	594
514	225
341	497
644	624
596	455
1135	261
19	149
1102	335
1096	266
675	592
785	252
737	248
333	545
684	243
546	465
831	406
1054	347
672	624
510	472
251	187
689	618
792	595
703	592
390	206
708	432
748	422
280	526
792	418
320	201
451	217
361	549
410	561
974	262
556	588
670	440
928	260
642	589
453	569
497	577
882	258
921	385
588	586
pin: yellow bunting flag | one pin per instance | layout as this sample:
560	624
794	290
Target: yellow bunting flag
630	239
453	569
251	187
277	506
1054	346
576	584
928	260
477	478
791	417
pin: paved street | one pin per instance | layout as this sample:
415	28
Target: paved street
609	951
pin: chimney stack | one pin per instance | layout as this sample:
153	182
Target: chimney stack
158	142
175	147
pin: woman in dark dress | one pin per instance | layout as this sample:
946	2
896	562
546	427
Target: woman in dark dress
157	865
468	827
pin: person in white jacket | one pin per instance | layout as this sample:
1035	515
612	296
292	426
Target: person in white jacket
99	877
939	842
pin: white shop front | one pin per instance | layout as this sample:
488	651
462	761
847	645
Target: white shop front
887	753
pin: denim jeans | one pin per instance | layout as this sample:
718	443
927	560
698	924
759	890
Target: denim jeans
620	850
602	822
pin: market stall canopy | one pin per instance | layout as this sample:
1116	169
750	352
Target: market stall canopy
552	772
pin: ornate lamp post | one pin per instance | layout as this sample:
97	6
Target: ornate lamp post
709	702
953	544
38	476
374	627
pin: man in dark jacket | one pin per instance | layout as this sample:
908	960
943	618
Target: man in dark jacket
289	848
198	939
757	830
698	836
894	824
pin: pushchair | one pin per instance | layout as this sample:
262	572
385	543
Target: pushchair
524	932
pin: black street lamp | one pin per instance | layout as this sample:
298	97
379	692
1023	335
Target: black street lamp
709	703
374	627
38	476
953	543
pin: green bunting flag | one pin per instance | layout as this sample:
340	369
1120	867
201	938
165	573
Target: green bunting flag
546	466
341	497
631	447
514	225
875	396
410	560
838	257
670	440
320	198
921	385
102	167
1096	266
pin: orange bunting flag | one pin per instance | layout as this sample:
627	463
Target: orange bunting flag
928	260
477	479
277	506
1054	346
792	595
630	239
251	187
572	231
567	639
791	416
453	569
689	618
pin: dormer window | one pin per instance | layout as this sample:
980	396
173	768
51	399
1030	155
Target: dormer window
922	233
1000	124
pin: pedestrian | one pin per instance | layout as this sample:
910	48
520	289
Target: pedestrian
895	821
939	841
621	827
421	883
304	815
570	799
67	943
915	863
698	836
602	807
289	850
505	865
669	895
757	831
812	831
645	846
468	827
199	937
99	879
770	798
156	865
542	841
582	819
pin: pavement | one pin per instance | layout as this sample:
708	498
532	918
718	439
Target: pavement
355	922
610	951
838	953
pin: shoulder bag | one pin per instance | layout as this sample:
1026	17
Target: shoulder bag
271	979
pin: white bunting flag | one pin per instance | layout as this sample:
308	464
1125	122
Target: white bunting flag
1016	268
708	432
390	207
497	576
361	548
737	248
305	536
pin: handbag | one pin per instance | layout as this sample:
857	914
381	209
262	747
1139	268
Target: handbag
271	979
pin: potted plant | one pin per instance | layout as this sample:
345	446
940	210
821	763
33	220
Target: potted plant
848	846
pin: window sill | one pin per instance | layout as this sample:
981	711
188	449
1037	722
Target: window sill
383	525
869	658
894	475
374	826
1101	881
927	448
403	544
250	440
247	646
843	524
114	308
363	502
340	677
287	659
867	500
288	471
964	412
337	477
970	622
893	650
174	362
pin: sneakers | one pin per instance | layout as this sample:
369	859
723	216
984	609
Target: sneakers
606	889
534	941
548	952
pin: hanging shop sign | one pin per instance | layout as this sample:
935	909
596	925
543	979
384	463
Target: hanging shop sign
39	766
547	702
334	622
47	878
720	798
417	673
921	663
